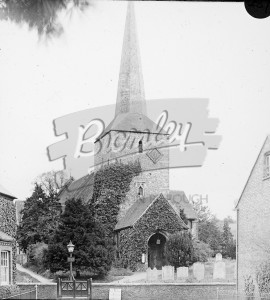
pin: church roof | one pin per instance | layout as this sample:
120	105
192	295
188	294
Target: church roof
81	188
5	237
178	200
136	211
5	192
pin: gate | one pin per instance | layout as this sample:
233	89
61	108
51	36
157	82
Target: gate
74	288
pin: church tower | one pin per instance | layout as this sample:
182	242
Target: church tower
131	135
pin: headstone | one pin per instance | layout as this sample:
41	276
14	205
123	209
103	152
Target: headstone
219	270
182	272
167	273
218	257
151	275
198	271
115	294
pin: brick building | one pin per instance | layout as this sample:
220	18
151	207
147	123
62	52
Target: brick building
130	137
253	215
7	237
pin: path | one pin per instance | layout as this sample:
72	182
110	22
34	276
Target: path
33	274
138	276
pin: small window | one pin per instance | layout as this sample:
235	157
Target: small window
140	147
140	191
267	164
4	268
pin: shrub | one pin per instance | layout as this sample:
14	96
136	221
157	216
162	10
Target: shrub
249	287
8	290
37	253
202	251
263	279
179	249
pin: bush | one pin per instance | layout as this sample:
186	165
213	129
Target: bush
202	251
263	279
179	249
249	287
37	253
8	290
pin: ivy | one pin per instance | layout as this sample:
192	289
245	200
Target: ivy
134	241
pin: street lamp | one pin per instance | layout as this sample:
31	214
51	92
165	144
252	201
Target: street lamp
71	259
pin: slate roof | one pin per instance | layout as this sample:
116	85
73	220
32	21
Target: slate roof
136	211
6	193
81	188
5	237
178	200
132	122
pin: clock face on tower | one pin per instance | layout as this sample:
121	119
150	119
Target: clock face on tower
154	155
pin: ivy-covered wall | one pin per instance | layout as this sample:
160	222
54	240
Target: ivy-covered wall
133	241
8	226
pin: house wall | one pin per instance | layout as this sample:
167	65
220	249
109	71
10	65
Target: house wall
8	226
253	223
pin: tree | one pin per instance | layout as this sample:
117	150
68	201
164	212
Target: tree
40	14
179	249
228	244
40	217
92	250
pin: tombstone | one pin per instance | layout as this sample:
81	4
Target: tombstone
151	275
218	257
198	271
115	294
219	270
182	272
167	273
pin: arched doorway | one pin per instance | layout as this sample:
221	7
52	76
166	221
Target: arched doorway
156	256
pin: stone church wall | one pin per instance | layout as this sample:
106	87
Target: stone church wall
8	226
133	242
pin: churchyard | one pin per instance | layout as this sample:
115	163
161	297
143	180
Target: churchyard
211	271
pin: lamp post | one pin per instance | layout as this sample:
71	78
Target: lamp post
71	259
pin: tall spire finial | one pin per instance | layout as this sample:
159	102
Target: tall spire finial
130	95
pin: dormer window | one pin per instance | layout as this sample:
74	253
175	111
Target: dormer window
140	147
140	193
267	165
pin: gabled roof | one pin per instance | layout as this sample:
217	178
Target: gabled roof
236	206
5	237
78	189
137	210
5	192
178	200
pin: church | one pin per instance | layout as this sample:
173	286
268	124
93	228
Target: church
150	211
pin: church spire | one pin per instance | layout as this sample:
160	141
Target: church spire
130	95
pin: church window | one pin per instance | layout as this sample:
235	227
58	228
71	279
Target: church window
140	147
140	191
267	165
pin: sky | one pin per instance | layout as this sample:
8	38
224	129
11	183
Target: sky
188	49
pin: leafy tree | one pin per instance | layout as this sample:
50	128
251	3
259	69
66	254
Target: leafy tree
228	244
40	217
40	14
92	250
179	249
202	251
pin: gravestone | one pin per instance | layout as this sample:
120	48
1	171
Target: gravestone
167	273
218	257
151	275
219	270
115	294
182	272
198	271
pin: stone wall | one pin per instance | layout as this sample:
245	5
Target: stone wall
8	226
148	291
253	222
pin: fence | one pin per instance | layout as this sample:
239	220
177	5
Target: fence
74	288
25	295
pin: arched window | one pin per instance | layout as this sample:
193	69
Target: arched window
140	191
140	147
